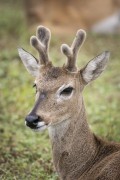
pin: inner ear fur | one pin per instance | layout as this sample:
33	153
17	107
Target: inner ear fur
95	67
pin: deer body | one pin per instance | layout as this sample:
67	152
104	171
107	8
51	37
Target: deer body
77	153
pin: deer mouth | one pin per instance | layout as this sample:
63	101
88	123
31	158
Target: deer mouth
40	126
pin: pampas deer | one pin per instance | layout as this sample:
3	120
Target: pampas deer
78	154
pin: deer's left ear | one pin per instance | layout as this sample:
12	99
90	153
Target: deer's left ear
29	61
95	67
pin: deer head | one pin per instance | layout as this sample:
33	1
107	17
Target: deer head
58	89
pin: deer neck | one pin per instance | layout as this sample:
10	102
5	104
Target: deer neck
73	144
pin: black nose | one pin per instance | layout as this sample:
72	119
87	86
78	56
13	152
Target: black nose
32	120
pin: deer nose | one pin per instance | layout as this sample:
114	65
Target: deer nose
32	120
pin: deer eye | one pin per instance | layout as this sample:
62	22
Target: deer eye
67	91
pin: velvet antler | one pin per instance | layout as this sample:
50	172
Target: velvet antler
41	43
71	52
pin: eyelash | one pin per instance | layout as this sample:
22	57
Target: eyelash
34	86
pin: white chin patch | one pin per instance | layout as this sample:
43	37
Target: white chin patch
41	126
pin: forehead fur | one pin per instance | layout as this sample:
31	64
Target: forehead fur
54	77
52	72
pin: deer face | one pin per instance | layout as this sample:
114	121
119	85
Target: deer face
58	89
57	100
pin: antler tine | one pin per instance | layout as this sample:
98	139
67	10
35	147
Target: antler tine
71	52
41	43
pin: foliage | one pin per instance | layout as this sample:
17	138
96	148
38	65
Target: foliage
23	153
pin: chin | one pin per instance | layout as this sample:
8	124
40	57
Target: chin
39	129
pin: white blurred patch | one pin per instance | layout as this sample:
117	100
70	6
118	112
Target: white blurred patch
108	25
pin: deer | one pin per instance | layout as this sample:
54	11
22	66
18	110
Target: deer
78	154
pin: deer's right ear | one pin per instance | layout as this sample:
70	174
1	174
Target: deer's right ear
95	67
29	61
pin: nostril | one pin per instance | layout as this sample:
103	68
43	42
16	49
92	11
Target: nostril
38	119
32	119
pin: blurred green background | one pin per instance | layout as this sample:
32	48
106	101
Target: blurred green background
25	154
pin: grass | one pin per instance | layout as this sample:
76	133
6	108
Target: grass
23	153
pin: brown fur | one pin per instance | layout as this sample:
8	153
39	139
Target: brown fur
78	154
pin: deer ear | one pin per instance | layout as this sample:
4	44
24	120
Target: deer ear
95	67
29	61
